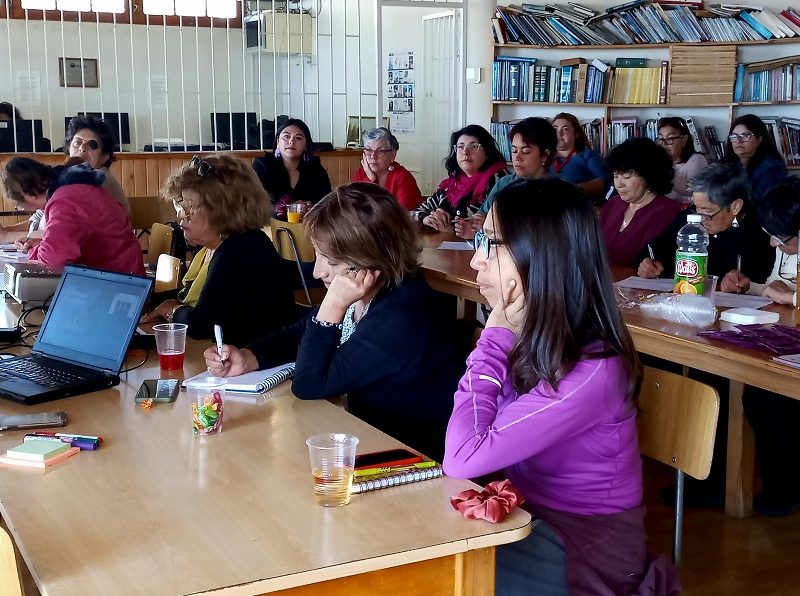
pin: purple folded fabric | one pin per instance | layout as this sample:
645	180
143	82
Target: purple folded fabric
777	339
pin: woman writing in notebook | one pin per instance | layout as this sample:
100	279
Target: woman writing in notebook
381	335
549	397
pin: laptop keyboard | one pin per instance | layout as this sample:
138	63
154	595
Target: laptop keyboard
41	373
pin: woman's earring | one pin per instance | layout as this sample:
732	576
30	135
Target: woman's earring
277	153
735	223
391	168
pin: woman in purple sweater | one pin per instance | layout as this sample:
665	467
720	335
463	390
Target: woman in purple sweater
549	398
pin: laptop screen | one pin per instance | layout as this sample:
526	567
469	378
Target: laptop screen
92	317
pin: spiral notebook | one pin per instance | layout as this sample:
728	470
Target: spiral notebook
396	479
257	381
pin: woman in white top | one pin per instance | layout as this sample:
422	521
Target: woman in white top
675	138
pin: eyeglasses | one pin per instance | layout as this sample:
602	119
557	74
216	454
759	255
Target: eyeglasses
707	217
184	213
78	142
204	168
484	243
743	137
781	240
792	275
377	152
464	147
668	140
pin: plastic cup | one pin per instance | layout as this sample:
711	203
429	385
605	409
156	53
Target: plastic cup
170	344
206	396
294	213
710	287
333	457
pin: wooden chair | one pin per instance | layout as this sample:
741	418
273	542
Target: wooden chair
677	423
160	243
10	581
292	245
168	273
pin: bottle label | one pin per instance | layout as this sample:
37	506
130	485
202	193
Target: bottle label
690	272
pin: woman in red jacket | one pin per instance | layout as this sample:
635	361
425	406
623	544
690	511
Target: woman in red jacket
378	166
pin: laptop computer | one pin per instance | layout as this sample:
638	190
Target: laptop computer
82	342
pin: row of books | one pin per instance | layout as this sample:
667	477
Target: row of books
575	80
768	81
640	22
786	134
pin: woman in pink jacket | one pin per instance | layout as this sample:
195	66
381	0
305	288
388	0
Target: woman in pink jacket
85	224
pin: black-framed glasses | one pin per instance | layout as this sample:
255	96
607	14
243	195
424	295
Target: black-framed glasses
464	147
792	275
743	137
78	142
707	217
377	152
204	168
484	243
668	140
781	240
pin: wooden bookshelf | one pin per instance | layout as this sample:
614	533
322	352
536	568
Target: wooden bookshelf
655	46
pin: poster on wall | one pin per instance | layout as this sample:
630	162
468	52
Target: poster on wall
400	91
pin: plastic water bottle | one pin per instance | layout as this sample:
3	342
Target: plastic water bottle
688	309
691	257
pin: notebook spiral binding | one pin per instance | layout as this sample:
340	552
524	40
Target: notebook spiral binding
276	379
397	479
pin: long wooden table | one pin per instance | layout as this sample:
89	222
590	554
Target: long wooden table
157	510
449	271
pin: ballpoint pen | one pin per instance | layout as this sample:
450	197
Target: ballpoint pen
650	250
218	337
738	272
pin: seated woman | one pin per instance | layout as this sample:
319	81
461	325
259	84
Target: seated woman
675	138
291	173
381	335
640	210
474	166
92	140
84	223
533	146
576	162
551	401
779	216
378	166
721	197
751	145
222	207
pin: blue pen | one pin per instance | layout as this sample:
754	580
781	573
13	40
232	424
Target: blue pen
82	445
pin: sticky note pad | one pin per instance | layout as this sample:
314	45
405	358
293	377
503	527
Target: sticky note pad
37	450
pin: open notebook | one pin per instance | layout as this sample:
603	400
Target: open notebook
257	381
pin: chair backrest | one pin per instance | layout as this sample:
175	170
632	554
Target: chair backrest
160	242
677	421
145	211
10	582
168	272
284	234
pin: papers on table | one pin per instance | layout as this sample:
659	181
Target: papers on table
455	246
721	299
641	283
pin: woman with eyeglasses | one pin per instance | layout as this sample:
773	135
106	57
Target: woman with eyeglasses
675	138
381	335
85	225
721	196
241	284
576	162
751	145
640	210
474	166
533	146
292	173
378	166
549	397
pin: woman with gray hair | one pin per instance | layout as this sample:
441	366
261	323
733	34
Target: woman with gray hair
379	167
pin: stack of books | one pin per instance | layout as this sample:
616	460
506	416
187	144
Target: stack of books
38	454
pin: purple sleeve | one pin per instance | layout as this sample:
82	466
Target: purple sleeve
491	428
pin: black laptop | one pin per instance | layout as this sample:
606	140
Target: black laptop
82	342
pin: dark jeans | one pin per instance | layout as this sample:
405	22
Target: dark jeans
536	564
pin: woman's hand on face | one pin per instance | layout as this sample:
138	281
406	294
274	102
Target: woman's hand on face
734	283
650	269
373	177
230	362
349	287
160	312
509	310
779	292
439	220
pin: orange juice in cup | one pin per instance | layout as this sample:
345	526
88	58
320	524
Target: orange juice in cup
294	213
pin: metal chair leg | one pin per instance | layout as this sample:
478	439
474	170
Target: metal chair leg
678	537
297	261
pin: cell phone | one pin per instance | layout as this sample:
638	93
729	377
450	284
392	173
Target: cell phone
392	457
23	421
159	390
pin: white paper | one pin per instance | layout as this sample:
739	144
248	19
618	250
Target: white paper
158	91
455	246
29	87
726	300
641	283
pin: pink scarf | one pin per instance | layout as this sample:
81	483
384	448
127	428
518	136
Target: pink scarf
459	186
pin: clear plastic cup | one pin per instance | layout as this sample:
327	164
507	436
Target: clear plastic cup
333	458
206	397
710	287
294	212
170	344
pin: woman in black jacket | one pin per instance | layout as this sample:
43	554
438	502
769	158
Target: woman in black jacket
381	335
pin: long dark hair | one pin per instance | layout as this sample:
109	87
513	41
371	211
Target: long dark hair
486	140
554	238
304	129
679	124
539	132
766	147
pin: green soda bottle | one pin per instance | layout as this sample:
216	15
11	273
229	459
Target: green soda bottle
691	257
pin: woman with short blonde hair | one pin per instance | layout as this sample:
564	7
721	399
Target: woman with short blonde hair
236	280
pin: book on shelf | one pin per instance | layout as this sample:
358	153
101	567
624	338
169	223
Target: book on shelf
395	478
258	381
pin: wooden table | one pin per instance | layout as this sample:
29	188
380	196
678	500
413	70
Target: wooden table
158	511
449	271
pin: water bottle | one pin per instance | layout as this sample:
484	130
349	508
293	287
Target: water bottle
691	257
688	309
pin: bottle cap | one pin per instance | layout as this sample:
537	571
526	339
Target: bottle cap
694	218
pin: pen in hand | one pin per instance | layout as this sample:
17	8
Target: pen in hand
738	273
31	229
218	337
650	251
